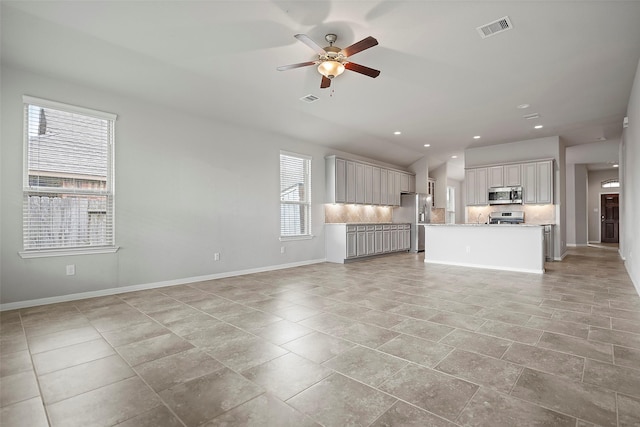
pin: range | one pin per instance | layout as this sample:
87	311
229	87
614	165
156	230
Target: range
513	217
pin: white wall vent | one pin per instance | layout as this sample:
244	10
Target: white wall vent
309	98
531	116
495	27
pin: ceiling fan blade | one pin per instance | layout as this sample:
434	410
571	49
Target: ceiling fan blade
313	45
359	46
325	83
362	69
292	66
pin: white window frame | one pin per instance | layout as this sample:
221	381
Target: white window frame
108	192
306	203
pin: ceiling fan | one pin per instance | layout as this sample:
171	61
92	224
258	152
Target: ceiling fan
332	61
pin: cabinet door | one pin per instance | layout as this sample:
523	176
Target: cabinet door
368	184
529	183
371	242
394	239
482	188
404	183
361	244
378	242
407	240
512	175
496	178
391	185
341	183
386	241
412	184
397	176
351	182
376	186
544	182
384	190
359	183
431	191
351	245
470	186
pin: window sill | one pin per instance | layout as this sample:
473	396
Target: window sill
289	238
68	252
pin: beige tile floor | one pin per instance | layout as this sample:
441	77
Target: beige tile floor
383	342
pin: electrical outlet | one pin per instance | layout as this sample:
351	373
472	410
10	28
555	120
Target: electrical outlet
216	256
282	249
71	269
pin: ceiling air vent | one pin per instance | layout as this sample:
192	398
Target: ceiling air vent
531	116
495	27
309	98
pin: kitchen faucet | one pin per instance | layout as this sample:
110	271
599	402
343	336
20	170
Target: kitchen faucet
479	216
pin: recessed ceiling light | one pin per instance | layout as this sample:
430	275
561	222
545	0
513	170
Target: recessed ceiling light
616	165
538	127
397	132
454	157
523	106
476	137
427	145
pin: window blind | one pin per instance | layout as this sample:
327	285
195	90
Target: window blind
295	195
68	177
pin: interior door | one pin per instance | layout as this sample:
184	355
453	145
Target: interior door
609	227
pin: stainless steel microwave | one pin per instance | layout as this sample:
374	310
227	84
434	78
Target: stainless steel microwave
505	196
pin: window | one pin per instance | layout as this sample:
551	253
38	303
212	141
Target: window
68	179
611	183
295	196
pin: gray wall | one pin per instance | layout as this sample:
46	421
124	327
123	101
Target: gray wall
630	174
186	187
581	207
440	175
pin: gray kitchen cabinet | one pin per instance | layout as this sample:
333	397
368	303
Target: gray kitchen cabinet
348	241
495	176
431	190
378	239
352	243
376	185
336	184
512	175
537	182
351	182
356	182
404	183
361	241
368	185
360	190
397	184
371	239
544	182
384	189
476	185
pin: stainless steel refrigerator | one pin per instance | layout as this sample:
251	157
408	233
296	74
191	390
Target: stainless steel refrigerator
415	208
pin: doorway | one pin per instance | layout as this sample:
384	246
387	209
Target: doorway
609	218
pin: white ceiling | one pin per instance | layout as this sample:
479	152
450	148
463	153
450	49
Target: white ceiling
440	82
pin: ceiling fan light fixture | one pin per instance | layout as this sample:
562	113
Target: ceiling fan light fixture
330	69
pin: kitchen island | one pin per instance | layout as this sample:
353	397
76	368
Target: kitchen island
513	247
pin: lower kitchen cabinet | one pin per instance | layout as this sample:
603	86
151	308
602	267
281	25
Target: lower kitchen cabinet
352	241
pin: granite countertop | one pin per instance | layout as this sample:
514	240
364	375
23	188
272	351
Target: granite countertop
366	223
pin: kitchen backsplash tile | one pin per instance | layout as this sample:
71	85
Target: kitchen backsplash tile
336	214
437	216
533	214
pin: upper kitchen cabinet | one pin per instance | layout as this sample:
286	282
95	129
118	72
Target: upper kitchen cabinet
350	181
495	176
537	182
476	183
512	175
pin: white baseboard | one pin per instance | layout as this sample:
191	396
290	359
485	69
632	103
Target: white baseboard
577	245
144	286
